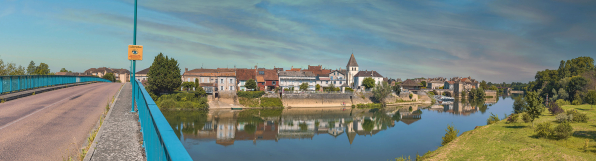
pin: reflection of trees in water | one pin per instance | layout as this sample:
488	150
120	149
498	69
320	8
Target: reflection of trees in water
188	122
368	125
250	128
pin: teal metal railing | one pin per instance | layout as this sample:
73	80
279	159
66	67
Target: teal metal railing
159	139
16	83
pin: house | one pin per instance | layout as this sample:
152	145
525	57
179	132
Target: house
243	75
448	85
323	81
220	79
435	84
338	78
317	70
267	79
142	75
289	79
122	75
352	70
410	84
361	75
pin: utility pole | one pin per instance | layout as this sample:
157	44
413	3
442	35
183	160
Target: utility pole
134	64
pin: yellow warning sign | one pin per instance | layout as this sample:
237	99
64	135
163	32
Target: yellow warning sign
135	52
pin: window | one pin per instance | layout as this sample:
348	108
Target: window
273	82
331	77
231	88
221	88
326	82
230	81
221	81
340	82
261	72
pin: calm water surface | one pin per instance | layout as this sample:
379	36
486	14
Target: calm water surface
326	133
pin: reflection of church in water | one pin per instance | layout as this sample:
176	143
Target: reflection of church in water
225	129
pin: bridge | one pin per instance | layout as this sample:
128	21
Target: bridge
45	117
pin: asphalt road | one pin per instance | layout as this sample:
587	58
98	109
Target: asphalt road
52	125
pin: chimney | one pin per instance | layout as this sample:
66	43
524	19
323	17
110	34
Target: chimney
185	69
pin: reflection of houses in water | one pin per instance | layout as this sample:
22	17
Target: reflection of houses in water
409	117
266	130
457	108
224	127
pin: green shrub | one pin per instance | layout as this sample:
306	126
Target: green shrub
576	102
250	94
492	119
248	102
527	118
353	106
563	130
562	102
580	117
512	118
349	89
168	103
271	102
563	117
543	130
369	105
411	95
450	135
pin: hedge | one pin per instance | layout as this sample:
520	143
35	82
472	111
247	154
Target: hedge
250	94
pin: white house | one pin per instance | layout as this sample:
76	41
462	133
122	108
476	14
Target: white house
289	79
360	76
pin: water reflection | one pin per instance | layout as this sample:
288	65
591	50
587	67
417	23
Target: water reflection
464	107
227	126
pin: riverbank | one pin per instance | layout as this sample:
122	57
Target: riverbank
517	141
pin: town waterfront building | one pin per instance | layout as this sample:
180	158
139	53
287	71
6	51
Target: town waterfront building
360	76
220	79
289	79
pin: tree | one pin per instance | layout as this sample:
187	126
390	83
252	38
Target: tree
519	105
493	87
197	85
164	75
317	87
534	105
591	98
331	87
109	76
397	89
483	85
555	96
576	84
251	84
64	70
31	68
42	69
450	135
562	94
368	82
188	85
303	86
381	91
423	83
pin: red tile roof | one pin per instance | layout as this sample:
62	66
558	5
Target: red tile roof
245	74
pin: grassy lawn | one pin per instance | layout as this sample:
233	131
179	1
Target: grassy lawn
517	141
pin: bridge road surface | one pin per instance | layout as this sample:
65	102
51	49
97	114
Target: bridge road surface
52	125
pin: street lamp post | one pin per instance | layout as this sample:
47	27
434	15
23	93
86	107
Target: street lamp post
134	63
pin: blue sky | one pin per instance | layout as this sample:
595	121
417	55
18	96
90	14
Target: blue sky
489	40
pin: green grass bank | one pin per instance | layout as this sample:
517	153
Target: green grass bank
518	141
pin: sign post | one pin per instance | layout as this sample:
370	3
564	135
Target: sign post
135	52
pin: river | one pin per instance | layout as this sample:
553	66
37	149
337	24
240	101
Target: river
327	133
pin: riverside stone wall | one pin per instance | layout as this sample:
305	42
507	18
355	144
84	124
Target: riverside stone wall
314	100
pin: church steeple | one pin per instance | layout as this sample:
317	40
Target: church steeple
352	62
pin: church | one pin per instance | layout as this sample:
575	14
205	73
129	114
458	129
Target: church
355	76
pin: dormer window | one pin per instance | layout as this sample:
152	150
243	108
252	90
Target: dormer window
261	72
